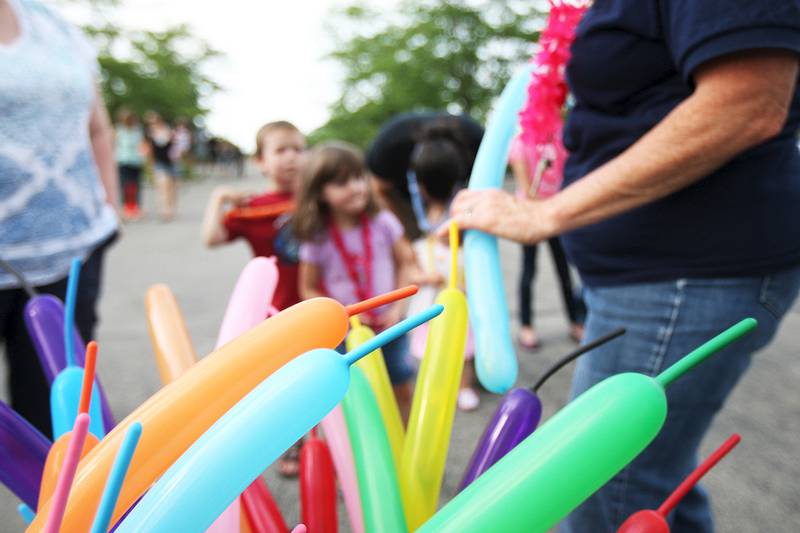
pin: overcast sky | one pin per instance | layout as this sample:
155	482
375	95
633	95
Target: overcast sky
273	66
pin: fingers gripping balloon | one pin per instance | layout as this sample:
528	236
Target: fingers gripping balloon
648	521
495	360
433	408
249	437
517	417
178	414
573	454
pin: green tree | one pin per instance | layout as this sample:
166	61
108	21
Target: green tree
434	54
159	71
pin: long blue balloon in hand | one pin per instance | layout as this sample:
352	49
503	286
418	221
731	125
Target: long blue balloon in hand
495	359
251	436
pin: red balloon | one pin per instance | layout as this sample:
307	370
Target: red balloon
317	486
261	510
644	522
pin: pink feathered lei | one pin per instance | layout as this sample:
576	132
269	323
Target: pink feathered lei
540	119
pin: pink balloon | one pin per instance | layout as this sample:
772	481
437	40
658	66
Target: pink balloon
335	429
248	306
300	528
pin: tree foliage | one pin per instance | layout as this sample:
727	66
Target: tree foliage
450	55
149	70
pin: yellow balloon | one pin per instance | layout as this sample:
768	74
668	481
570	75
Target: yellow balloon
434	405
171	342
374	368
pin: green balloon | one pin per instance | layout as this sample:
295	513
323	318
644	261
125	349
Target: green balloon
561	463
572	455
372	454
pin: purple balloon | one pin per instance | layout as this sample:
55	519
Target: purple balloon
44	317
514	420
23	452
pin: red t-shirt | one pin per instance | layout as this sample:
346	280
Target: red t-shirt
261	233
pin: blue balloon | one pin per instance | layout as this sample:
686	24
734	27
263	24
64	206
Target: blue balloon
495	359
252	435
65	395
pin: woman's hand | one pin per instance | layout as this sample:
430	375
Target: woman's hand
499	213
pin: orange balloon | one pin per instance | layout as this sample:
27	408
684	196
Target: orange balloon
177	415
55	458
171	342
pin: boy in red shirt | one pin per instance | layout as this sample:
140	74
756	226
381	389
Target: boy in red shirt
262	221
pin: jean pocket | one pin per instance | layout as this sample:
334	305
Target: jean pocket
778	292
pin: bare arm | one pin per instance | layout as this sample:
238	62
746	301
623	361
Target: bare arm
222	199
739	102
309	277
101	135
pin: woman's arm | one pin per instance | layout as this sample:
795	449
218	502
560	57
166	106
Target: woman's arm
101	135
739	102
309	277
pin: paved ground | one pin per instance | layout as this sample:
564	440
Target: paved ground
755	490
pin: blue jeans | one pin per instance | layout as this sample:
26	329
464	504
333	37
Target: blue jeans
665	321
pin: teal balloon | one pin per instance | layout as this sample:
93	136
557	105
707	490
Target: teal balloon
201	484
377	477
65	395
495	359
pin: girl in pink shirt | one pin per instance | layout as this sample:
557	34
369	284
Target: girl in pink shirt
352	250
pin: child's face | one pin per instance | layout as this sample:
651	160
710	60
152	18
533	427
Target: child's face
349	197
283	158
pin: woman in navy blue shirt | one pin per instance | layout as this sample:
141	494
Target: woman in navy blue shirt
679	209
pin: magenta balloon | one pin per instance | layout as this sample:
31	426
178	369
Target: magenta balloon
514	420
23	451
44	318
646	521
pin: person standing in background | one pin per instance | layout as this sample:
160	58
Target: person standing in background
130	149
538	178
159	142
58	182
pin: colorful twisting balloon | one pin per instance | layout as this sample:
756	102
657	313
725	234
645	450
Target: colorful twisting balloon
431	421
573	454
648	521
517	417
495	359
249	437
177	415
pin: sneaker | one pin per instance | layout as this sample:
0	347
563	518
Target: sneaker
468	400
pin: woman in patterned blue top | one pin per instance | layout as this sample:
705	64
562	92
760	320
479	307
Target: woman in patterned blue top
58	180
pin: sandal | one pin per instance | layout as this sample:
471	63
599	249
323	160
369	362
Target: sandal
576	332
289	463
527	338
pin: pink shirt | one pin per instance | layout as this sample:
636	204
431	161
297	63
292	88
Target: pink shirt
385	229
550	179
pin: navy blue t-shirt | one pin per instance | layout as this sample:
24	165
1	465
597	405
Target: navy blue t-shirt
632	63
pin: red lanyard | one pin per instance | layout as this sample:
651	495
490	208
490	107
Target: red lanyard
363	284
